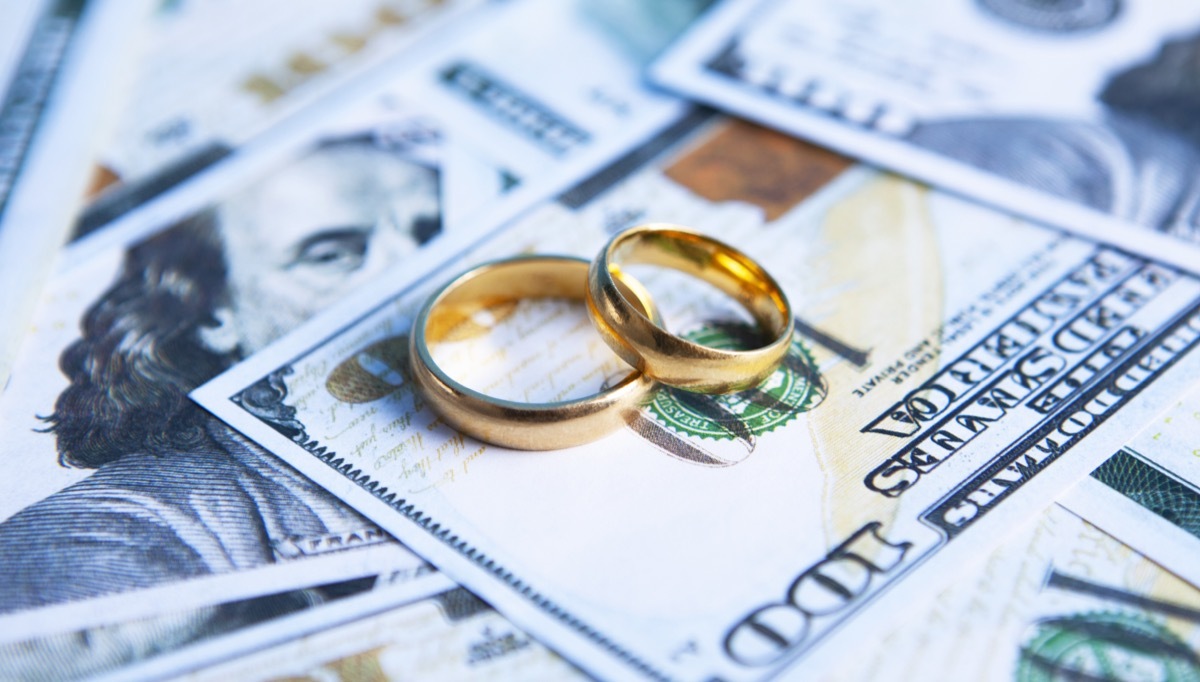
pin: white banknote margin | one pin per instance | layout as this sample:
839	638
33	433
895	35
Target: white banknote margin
203	591
15	21
680	70
43	199
448	17
1163	542
283	629
1141	528
889	604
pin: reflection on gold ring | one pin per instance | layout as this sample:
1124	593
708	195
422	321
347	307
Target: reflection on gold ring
524	426
672	360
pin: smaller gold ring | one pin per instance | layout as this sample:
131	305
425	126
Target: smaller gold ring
522	426
672	360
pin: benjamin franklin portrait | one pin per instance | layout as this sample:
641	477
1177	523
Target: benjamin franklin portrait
173	493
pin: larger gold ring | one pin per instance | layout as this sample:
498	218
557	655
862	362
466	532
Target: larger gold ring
522	426
675	361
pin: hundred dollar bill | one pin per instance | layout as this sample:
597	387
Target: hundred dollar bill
955	368
61	68
1080	114
452	635
215	75
1060	600
1147	494
115	482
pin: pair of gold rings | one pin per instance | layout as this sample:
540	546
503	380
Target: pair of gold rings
624	314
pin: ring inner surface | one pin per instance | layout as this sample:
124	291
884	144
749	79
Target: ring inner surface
505	284
501	284
731	272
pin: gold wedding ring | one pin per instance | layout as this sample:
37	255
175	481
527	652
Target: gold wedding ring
643	343
523	426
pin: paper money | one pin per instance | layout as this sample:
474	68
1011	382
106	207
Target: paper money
216	75
59	84
956	366
1059	600
135	489
1080	114
452	635
17	22
1147	493
217	617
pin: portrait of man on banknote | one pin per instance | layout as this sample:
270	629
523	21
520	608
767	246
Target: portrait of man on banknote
173	493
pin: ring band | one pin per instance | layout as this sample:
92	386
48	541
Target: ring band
517	425
667	358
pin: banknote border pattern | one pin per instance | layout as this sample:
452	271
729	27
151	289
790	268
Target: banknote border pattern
38	71
264	400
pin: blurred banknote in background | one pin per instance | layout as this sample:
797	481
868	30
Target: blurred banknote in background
1081	114
451	635
212	619
1060	600
214	75
62	65
956	368
1147	494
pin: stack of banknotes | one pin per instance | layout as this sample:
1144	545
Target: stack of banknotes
980	461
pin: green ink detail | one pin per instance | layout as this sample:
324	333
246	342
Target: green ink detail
783	395
1152	489
1106	646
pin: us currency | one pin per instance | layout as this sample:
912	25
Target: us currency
1147	493
1079	114
61	69
14	29
225	616
216	75
955	368
114	483
1061	599
451	635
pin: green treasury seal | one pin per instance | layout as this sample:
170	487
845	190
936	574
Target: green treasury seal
794	388
1106	646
